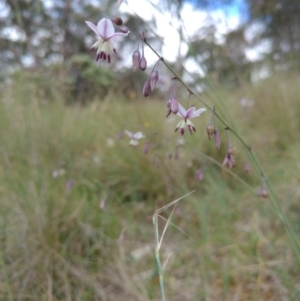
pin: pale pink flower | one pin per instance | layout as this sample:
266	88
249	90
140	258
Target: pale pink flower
106	34
200	174
186	116
134	137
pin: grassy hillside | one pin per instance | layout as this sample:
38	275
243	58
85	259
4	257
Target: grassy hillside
77	201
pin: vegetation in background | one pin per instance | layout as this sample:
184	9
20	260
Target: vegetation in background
77	201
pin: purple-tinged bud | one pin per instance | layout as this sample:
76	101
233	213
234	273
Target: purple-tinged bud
153	79
210	129
147	88
217	139
123	29
143	63
247	167
173	105
199	174
69	185
136	57
121	134
231	150
262	192
169	107
146	148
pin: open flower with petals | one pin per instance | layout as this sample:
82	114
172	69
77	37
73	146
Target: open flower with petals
134	137
186	116
106	34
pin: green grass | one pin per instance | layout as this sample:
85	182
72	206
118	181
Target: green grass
58	244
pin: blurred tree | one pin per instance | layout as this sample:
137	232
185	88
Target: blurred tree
281	20
36	33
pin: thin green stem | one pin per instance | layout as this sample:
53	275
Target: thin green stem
157	256
275	202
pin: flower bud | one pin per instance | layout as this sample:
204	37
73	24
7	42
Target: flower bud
231	150
199	174
123	28
210	129
136	56
153	79
147	88
173	105
143	63
262	192
217	139
146	148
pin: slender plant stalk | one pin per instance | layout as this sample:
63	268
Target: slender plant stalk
157	256
274	200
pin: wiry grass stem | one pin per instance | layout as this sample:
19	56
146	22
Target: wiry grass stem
275	202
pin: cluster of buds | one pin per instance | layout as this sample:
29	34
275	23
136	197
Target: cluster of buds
172	103
151	81
139	60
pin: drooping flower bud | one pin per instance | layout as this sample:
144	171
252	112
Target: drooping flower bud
146	148
136	57
172	102
153	79
217	139
262	192
199	174
147	88
123	28
143	63
173	105
210	130
247	167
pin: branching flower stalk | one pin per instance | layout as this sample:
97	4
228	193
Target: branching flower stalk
274	200
105	48
159	239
